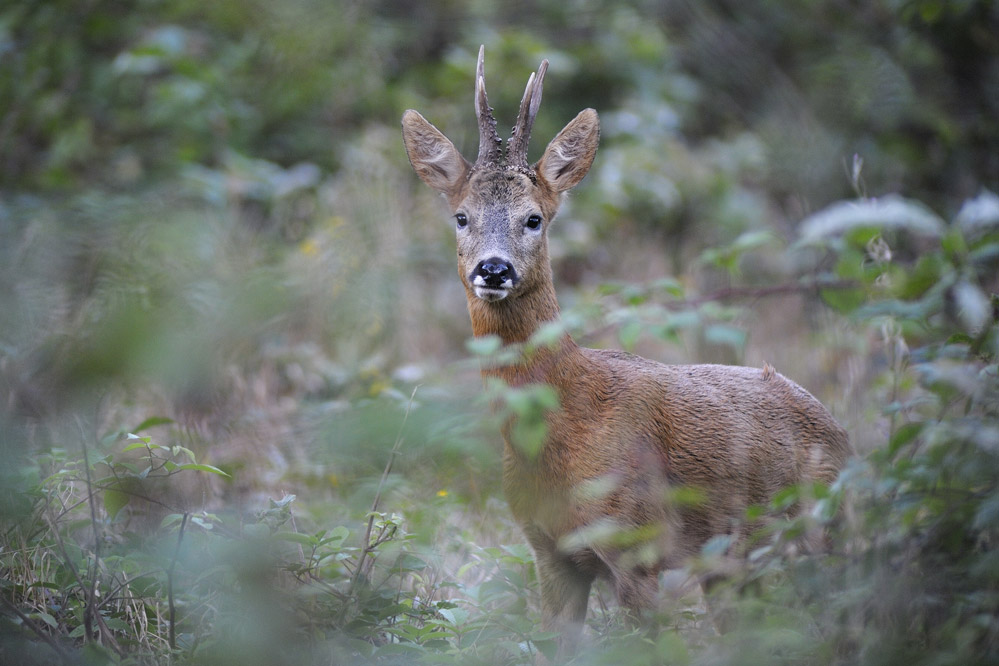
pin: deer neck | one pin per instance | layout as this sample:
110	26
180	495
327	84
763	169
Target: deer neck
514	321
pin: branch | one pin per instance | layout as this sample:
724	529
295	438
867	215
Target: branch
368	546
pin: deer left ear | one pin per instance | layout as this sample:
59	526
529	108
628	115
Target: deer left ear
569	156
436	161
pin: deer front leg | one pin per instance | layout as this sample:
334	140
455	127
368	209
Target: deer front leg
636	584
565	593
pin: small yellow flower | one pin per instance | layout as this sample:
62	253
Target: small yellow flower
309	247
442	493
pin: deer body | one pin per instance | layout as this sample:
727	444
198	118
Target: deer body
628	430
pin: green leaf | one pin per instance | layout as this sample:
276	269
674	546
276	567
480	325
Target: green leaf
843	300
202	523
178	449
670	285
171	519
256	530
115	501
46	618
409	562
548	333
336	535
139	443
283	502
905	434
486	345
204	468
152	421
629	333
296	537
927	272
723	334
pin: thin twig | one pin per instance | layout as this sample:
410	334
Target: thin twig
173	566
91	608
368	546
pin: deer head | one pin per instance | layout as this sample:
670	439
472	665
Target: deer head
502	205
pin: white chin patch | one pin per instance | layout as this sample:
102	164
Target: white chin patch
488	294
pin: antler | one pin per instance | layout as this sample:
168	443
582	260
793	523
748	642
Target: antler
490	144
516	156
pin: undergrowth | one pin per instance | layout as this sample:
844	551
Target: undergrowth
104	560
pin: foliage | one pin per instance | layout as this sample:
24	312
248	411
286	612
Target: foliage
206	213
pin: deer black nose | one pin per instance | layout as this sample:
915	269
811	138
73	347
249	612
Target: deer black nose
493	272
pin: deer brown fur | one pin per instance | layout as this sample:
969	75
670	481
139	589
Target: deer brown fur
628	430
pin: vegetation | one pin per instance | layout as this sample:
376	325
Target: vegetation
241	420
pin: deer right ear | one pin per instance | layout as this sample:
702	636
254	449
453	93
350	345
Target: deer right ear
436	161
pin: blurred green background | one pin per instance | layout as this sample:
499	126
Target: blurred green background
207	219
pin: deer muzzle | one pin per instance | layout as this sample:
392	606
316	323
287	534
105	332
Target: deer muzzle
493	278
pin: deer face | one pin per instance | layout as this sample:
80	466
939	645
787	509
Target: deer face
502	205
500	227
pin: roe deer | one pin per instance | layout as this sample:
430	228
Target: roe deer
627	429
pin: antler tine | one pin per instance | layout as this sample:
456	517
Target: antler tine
529	105
490	144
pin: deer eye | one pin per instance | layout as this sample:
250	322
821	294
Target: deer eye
533	222
462	220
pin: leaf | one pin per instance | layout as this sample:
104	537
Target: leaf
139	443
905	434
843	300
296	537
548	335
753	239
890	212
670	285
46	618
628	334
973	306
987	515
722	334
201	467
178	449
337	534
283	502
255	531
115	501
152	421
979	215
409	562
486	345
171	519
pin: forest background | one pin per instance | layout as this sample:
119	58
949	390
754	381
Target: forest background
240	414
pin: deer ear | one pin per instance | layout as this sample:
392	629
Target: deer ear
436	161
569	156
